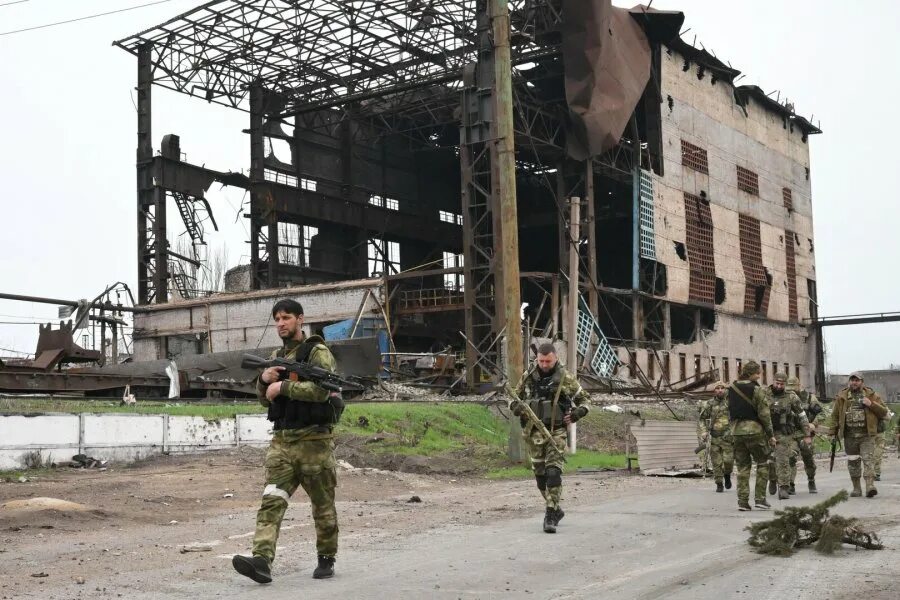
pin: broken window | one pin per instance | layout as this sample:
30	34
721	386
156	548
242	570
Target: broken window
774	369
289	248
765	372
726	373
756	294
738	365
697	366
797	372
682	367
720	290
309	233
791	268
383	257
651	368
680	251
666	366
389	203
788	199
699	238
453	281
279	177
747	180
813	300
694	157
787	369
683	323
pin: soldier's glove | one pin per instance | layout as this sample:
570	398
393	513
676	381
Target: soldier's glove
577	413
517	407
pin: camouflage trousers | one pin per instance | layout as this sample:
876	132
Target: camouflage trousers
879	453
860	449
548	456
721	455
747	450
292	463
786	452
807	454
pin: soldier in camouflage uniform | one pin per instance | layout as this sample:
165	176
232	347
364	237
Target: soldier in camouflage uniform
301	453
715	426
790	424
752	434
857	410
813	409
558	400
880	442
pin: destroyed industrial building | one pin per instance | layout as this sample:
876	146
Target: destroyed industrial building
636	165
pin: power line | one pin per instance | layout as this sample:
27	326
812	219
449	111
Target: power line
11	3
94	16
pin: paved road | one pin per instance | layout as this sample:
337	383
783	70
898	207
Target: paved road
680	541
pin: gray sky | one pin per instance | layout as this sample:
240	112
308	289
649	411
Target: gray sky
68	148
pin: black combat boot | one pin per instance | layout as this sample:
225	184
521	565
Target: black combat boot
792	489
325	568
783	493
773	487
812	486
550	521
719	487
559	515
254	567
727	481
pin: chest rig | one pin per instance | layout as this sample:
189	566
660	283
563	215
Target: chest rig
544	390
297	414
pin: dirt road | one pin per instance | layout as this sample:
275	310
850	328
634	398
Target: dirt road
623	537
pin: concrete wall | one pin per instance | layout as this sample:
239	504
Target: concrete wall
121	437
227	322
706	115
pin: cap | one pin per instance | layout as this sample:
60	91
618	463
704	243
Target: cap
780	377
856	375
720	383
793	384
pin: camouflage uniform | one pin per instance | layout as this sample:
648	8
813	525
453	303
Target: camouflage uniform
813	409
299	457
550	395
880	443
715	422
790	425
857	425
751	430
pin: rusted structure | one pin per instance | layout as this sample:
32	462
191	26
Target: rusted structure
431	134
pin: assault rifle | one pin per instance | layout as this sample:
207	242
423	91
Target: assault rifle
834	445
530	416
301	371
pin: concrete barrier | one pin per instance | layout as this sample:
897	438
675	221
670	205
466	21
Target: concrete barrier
120	437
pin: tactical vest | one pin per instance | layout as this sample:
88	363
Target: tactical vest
855	415
738	408
297	414
784	420
543	391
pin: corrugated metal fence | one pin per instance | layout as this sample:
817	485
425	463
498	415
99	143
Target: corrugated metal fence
666	446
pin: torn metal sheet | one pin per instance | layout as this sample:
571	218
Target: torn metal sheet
666	447
607	61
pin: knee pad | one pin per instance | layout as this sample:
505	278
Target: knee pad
541	482
554	477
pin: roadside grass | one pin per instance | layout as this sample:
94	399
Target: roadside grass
582	459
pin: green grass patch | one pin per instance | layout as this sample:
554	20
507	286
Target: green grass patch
425	430
583	459
143	407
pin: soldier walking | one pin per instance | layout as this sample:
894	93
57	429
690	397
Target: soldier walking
301	453
790	424
880	442
557	399
715	427
813	409
857	410
752	434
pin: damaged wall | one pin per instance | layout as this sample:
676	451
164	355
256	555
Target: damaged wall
720	138
226	322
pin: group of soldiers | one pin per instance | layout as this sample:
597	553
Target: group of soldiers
774	426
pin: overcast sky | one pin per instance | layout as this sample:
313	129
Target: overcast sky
68	148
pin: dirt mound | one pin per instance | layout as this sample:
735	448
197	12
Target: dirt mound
34	504
45	513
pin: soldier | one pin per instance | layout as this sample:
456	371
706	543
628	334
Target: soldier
715	426
789	421
557	399
813	409
880	441
857	410
301	453
752	434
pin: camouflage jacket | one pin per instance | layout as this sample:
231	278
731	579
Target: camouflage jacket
786	410
808	401
304	391
873	413
761	407
715	412
570	391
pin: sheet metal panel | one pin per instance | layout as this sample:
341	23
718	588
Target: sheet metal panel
666	445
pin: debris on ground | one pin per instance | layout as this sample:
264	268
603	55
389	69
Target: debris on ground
83	461
801	526
414	499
